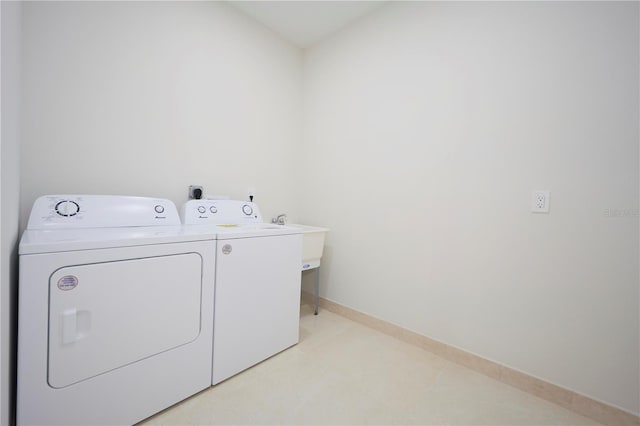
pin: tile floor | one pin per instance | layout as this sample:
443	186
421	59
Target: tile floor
343	373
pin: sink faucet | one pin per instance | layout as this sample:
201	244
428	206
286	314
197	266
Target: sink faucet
280	220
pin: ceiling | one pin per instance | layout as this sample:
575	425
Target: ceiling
302	22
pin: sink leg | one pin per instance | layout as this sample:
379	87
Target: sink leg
316	290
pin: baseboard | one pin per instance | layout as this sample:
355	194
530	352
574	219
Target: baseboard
583	405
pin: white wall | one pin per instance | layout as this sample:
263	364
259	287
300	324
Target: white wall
11	49
9	198
427	126
146	98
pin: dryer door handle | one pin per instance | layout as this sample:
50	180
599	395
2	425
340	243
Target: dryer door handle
75	325
69	326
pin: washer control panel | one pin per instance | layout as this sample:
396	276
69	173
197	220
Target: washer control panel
100	211
218	212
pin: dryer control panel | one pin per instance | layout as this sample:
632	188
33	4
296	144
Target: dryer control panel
100	211
217	212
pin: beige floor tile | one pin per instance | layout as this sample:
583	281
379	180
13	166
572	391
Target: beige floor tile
343	373
461	396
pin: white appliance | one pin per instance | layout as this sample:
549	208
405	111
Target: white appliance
115	311
257	304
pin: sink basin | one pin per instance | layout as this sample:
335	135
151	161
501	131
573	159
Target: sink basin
312	244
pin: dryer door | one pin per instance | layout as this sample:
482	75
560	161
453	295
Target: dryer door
103	316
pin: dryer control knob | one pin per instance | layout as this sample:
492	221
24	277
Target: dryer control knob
159	209
67	208
246	209
213	209
201	209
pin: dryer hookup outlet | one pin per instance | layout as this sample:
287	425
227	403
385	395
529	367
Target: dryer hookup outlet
195	192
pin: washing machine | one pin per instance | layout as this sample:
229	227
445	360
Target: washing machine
257	295
115	313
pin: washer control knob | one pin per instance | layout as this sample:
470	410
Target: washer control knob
67	208
159	209
201	209
246	209
213	209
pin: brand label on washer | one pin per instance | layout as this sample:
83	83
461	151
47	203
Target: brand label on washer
68	282
226	249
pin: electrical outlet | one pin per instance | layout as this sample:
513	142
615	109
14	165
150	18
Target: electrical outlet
195	192
540	202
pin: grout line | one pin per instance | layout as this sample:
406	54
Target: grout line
573	401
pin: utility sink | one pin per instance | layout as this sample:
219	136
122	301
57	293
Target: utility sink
312	244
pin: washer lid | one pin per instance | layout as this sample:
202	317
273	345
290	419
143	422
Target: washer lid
228	231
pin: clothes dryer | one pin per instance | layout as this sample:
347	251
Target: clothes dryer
115	311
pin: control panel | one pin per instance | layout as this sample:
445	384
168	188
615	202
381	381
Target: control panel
217	212
100	211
